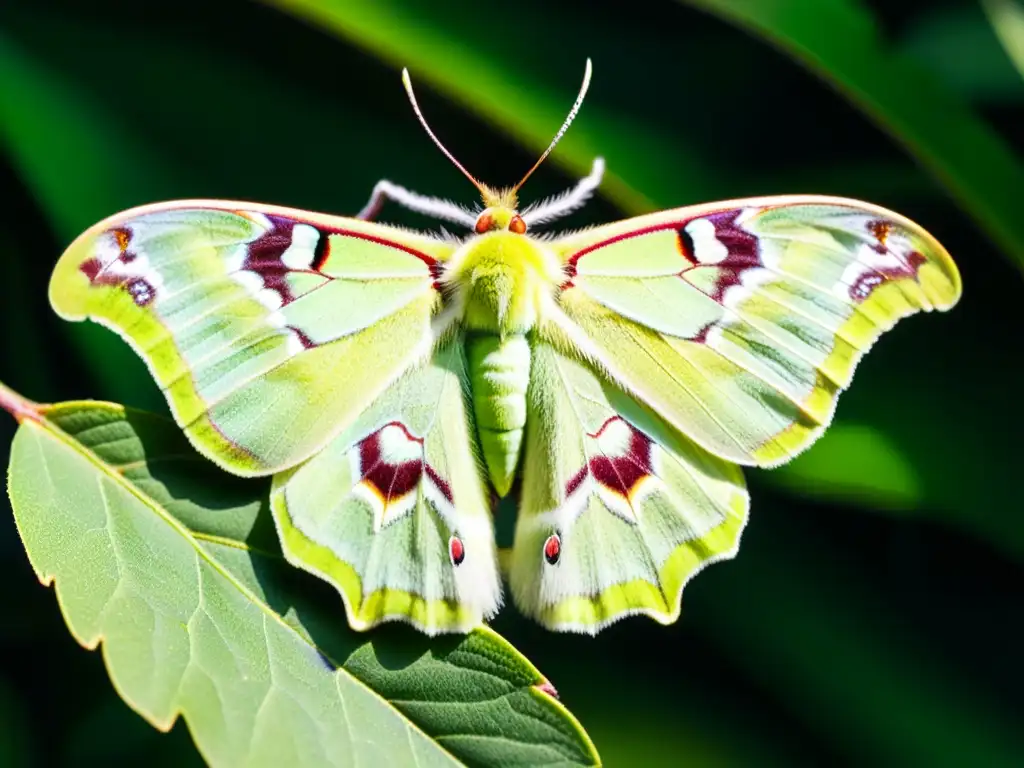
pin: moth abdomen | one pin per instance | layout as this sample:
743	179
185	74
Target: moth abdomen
499	370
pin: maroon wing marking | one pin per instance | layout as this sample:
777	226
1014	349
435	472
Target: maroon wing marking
393	480
621	473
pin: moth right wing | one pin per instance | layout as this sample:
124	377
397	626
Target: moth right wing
618	509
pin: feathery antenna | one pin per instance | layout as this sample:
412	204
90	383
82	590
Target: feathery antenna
407	82
565	126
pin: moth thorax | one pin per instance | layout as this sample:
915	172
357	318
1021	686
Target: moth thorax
499	370
504	279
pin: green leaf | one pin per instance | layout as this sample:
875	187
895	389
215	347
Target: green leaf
839	41
174	566
1007	17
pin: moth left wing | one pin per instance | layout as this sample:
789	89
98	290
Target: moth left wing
393	512
267	328
741	322
618	509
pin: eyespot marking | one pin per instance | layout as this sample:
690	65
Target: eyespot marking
553	549
141	291
880	229
456	550
122	236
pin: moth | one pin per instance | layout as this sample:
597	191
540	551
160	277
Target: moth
396	383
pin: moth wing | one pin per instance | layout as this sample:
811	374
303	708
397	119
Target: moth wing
267	328
618	509
741	322
394	513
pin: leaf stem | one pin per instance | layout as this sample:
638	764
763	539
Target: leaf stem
19	407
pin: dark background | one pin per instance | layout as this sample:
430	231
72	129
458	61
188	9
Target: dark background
872	615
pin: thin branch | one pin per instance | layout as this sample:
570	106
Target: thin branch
19	407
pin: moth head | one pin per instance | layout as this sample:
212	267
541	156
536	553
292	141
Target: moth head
500	206
497	218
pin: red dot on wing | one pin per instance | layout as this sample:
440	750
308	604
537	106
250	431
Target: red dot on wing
456	550
553	548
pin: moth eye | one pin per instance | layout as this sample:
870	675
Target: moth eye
456	550
484	223
517	225
553	548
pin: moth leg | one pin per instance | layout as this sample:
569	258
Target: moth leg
561	205
429	206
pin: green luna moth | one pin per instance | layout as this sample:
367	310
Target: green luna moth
396	384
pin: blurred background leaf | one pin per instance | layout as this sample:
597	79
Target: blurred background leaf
899	531
1007	17
958	45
